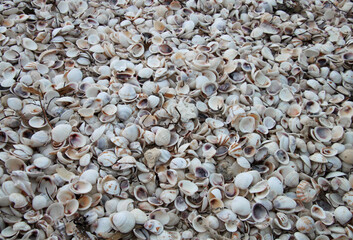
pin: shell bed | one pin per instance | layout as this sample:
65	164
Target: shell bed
176	120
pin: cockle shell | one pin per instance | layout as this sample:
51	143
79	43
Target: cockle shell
342	214
18	200
107	158
347	156
39	202
305	224
61	132
241	206
154	226
81	187
140	216
305	191
259	212
243	180
112	187
123	221
162	137
284	203
187	187
104	226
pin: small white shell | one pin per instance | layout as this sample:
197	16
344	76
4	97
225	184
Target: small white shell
284	203
154	226
80	187
140	216
90	176
112	187
187	187
127	93
123	221
343	214
29	44
162	137
42	162
61	132
75	75
179	163
107	158
18	200
243	180
241	206
39	202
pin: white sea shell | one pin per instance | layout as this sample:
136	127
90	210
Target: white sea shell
284	203
140	216
56	211
107	158
123	221
39	202
90	176
127	93
342	214
81	187
187	187
112	187
305	224
71	207
42	162
61	132
29	44
243	180
103	226
154	226
247	125
18	200
162	137
241	206
75	75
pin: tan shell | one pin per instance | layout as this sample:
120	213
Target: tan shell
151	157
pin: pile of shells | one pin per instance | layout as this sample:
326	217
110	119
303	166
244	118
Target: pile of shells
197	119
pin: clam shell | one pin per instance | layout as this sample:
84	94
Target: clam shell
81	187
187	187
305	191
241	206
154	226
61	132
305	224
29	44
284	203
123	221
243	180
162	137
342	214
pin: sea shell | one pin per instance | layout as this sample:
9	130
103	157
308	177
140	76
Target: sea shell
305	191
241	206
61	132
176	119
305	224
81	187
123	221
243	180
342	214
187	187
154	226
162	137
284	203
259	212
